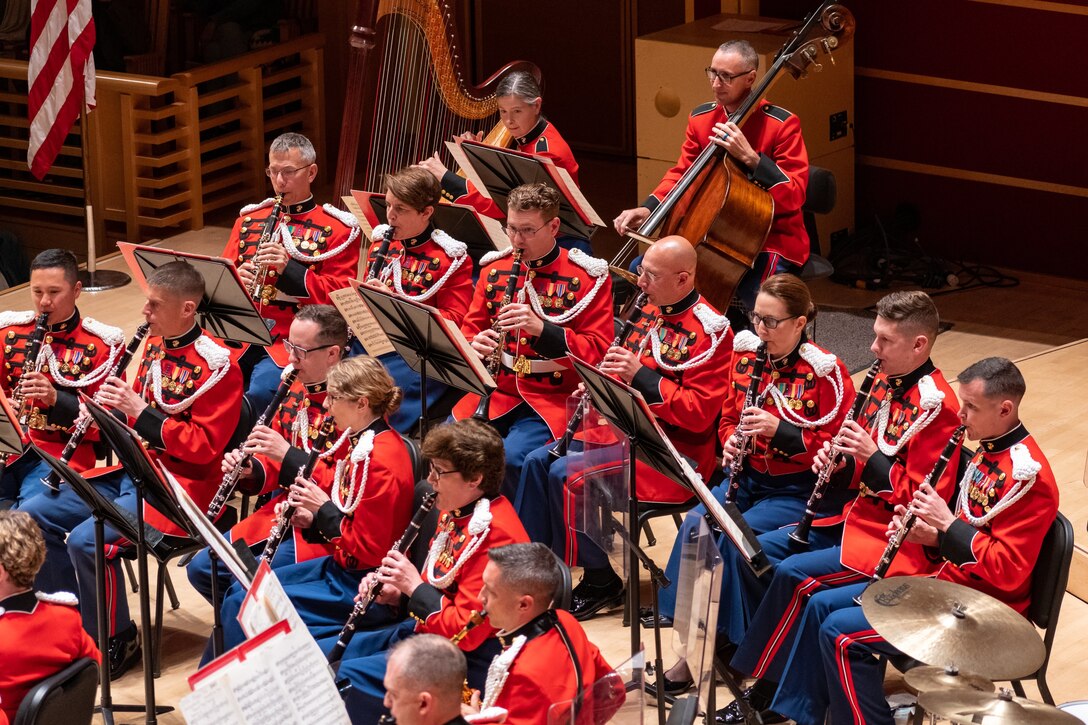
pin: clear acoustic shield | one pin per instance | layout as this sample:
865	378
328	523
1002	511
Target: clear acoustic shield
618	697
697	595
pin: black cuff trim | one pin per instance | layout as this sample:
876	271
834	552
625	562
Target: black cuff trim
956	543
456	186
767	174
425	601
293	279
327	521
651	203
648	382
877	474
149	426
788	440
552	342
294	460
65	411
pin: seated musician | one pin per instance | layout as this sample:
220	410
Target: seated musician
424	681
369	473
676	356
77	355
184	403
562	304
546	658
768	148
466	472
807	393
279	449
40	634
519	99
421	263
908	421
312	251
1008	499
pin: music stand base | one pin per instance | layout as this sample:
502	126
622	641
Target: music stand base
103	279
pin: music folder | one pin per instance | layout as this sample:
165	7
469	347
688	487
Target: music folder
625	407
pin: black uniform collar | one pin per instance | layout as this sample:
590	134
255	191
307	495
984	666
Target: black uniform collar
421	238
790	360
534	134
541	624
468	509
685	304
68	325
173	343
549	258
302	207
900	384
1006	441
312	388
23	602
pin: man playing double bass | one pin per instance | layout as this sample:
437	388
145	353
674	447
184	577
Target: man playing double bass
769	148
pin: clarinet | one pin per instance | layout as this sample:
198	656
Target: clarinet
474	620
494	360
31	365
910	518
84	423
801	531
378	265
282	524
751	399
406	540
561	447
230	480
260	272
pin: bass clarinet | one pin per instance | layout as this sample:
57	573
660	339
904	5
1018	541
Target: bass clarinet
406	541
260	272
230	480
84	423
812	506
910	518
282	524
743	441
31	364
560	448
494	360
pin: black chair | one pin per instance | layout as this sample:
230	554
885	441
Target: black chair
820	197
566	587
414	452
66	698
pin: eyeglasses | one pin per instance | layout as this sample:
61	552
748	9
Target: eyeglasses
769	322
525	232
654	276
725	78
439	474
287	173
301	352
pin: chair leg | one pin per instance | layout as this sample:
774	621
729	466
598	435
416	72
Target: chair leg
678	520
1018	688
133	581
1044	691
174	603
650	539
156	639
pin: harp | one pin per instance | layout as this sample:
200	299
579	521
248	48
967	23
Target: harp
406	91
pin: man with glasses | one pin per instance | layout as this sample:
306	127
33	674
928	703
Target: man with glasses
312	251
769	148
316	342
562	304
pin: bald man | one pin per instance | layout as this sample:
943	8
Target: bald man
676	355
423	681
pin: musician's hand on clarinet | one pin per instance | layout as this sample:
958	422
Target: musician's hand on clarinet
621	363
365	585
520	316
729	450
300	518
397	573
732	139
117	394
273	256
485	342
267	442
246	272
38	386
758	422
822	458
306	494
231	459
897	521
854	441
434	165
629	220
932	509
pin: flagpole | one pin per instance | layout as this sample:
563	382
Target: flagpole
93	279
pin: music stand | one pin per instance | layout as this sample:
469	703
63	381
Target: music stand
13	440
496	172
226	310
430	343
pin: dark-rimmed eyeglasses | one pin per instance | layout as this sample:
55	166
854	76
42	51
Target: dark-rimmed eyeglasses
302	352
723	77
438	473
769	322
286	173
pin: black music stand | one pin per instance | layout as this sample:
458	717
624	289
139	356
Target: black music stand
430	344
13	441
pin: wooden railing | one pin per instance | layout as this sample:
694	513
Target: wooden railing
163	152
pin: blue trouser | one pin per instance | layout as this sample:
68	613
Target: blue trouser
764	649
539	497
263	381
199	569
522	431
57	515
365	659
411	405
851	679
22	480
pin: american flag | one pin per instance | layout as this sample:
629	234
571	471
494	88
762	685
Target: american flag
60	75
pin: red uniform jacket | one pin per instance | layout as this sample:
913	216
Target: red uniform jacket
198	376
997	552
39	636
445	611
433	268
323	242
80	354
573	293
775	134
299	421
887	480
543	140
542	674
805	392
381	479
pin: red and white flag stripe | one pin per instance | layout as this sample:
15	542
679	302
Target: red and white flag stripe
60	75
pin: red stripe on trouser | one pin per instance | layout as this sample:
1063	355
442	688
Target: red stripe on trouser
846	677
772	265
789	616
112	592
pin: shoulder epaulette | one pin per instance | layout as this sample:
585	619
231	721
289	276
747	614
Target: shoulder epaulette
250	208
66	598
712	322
449	245
107	333
16	317
822	362
704	108
594	265
495	256
745	341
216	355
345	217
776	112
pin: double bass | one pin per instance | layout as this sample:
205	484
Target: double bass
714	204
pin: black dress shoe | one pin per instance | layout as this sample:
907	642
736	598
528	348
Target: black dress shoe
646	616
673	688
587	599
124	651
732	712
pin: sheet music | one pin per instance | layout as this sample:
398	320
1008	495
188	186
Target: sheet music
267	603
364	224
361	321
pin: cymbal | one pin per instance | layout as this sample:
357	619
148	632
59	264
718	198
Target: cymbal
941	623
928	679
987	708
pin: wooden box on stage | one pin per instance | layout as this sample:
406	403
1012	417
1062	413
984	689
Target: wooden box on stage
669	82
